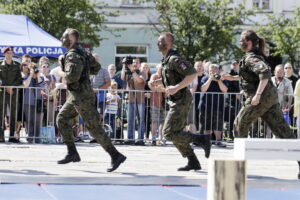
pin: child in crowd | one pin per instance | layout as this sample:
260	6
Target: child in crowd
111	108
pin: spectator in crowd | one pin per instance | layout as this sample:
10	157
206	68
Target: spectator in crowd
206	65
285	92
191	116
135	81
146	70
198	95
10	75
212	104
57	68
157	106
233	103
284	87
59	98
33	102
289	73
296	105
26	61
100	83
111	109
112	74
50	80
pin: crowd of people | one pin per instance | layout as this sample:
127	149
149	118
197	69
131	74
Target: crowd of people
126	103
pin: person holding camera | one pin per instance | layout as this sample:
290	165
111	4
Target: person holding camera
136	80
33	103
10	75
212	104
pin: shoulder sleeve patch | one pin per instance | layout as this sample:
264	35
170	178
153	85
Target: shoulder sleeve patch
255	60
183	66
177	60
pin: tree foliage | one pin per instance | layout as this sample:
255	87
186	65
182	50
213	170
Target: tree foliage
284	33
54	16
203	29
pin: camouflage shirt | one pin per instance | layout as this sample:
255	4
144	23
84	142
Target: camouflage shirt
76	72
174	70
10	75
254	68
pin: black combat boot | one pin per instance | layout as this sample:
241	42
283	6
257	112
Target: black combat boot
193	163
72	155
116	159
203	140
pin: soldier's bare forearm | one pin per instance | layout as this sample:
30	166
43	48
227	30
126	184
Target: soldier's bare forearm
261	86
186	81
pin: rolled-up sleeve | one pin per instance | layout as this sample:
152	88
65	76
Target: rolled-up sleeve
259	67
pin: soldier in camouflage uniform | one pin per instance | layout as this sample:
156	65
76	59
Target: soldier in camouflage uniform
76	69
176	76
261	98
10	75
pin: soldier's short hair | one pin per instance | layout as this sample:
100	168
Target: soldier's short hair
168	35
74	32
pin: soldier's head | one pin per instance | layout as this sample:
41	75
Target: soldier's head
165	42
279	72
69	38
8	53
249	40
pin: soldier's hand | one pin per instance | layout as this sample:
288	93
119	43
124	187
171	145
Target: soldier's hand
226	77
170	90
255	100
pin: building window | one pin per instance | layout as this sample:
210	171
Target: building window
130	2
262	4
136	51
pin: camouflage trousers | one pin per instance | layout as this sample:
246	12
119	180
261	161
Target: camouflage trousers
10	101
174	124
272	115
86	108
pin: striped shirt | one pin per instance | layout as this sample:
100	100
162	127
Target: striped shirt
112	106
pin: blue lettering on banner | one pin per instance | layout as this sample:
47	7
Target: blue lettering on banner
36	51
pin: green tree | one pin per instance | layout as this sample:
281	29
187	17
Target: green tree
54	16
284	33
204	29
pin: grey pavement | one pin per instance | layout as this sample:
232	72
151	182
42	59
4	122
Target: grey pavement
145	166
